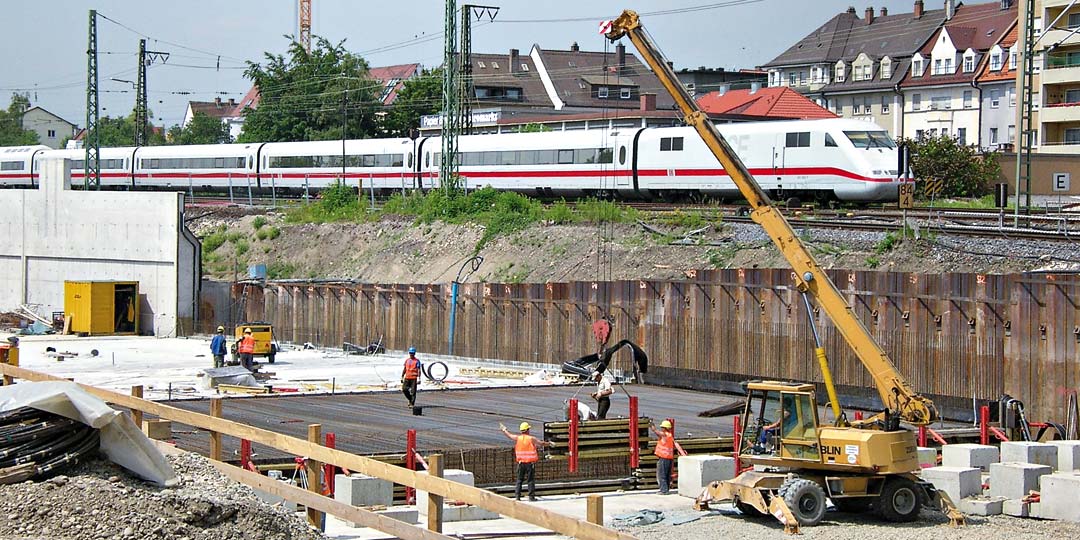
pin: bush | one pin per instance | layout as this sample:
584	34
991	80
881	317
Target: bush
280	270
964	172
268	233
596	211
213	241
241	247
560	213
258	222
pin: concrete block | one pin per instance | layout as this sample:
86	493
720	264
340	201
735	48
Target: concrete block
969	455
981	506
1015	480
957	482
1068	455
1029	452
1016	508
363	490
453	475
1058	497
467	513
401	513
159	430
927	457
696	472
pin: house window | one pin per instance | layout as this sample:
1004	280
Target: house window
995	99
1072	96
798	140
671	144
602	92
481	64
993	135
1074	21
961	136
969	64
949	66
840	73
917	68
524	67
839	107
624	93
886	70
968	99
793	79
995	61
1012	133
52	133
856	106
916	102
940	103
884	104
938	69
867	107
1072	136
1012	57
1012	96
919	134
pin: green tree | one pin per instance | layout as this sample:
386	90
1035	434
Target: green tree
120	131
303	96
963	170
534	127
11	127
419	96
203	129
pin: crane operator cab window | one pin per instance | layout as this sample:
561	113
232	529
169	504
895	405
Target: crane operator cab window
780	424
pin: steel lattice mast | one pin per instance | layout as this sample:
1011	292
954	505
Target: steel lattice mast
451	126
91	141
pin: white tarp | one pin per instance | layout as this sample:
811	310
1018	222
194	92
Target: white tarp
121	441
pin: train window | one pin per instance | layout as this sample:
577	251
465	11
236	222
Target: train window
527	157
829	141
545	157
436	159
219	163
606	155
249	161
427	160
585	155
509	157
870	139
11	165
491	158
622	155
397	160
566	156
410	160
671	144
798	140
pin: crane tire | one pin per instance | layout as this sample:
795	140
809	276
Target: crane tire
806	500
900	500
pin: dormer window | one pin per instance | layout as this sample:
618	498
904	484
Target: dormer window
886	69
995	61
918	67
969	64
1012	57
840	69
481	64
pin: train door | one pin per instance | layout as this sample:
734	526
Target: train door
621	171
778	155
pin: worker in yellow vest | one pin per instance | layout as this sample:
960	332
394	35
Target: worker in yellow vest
526	455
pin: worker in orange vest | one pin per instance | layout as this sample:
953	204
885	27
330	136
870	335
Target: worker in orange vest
665	452
526	455
246	349
410	376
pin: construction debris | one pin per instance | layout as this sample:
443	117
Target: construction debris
641	517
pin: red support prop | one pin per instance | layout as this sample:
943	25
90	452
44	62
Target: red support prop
937	437
858	416
573	450
410	463
984	424
1000	435
245	455
737	442
329	470
635	451
922	436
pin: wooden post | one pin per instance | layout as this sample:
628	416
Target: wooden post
215	437
136	415
435	502
315	517
594	509
635	450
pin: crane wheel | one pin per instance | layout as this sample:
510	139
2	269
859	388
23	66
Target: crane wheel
748	510
900	500
806	499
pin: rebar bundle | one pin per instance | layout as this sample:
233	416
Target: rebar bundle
38	443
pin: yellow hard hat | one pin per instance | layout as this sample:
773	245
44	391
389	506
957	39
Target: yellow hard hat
247	330
665	424
524	426
221	329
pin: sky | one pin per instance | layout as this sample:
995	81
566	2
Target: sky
45	40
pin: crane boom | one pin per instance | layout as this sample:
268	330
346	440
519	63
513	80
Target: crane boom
896	393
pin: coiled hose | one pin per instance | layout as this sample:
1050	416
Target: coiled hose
47	441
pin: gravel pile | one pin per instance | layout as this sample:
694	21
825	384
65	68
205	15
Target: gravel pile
99	500
838	526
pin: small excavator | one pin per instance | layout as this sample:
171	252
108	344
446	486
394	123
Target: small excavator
861	466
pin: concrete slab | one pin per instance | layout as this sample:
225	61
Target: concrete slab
969	455
362	490
1016	508
1068	454
1029	452
1058	497
957	482
696	472
981	506
927	457
1015	480
405	514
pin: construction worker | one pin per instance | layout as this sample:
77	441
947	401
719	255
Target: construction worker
526	456
665	452
246	349
602	394
410	376
218	348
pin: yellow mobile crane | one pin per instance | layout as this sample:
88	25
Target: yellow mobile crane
862	466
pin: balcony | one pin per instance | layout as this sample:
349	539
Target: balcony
1060	112
1061	69
1059	148
1050	4
1064	37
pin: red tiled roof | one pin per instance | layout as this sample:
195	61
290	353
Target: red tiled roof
216	108
1003	74
977	27
777	102
401	72
249	101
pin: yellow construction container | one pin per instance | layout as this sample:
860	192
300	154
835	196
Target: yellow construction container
101	307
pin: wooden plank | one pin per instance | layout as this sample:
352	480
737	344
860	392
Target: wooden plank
136	415
313	468
435	502
347	512
594	509
547	519
215	436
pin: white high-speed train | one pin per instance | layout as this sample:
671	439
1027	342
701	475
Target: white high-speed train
839	159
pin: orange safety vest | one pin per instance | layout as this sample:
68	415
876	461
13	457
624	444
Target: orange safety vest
525	449
412	368
247	345
665	447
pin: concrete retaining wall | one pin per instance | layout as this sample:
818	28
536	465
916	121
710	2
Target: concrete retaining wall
53	234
